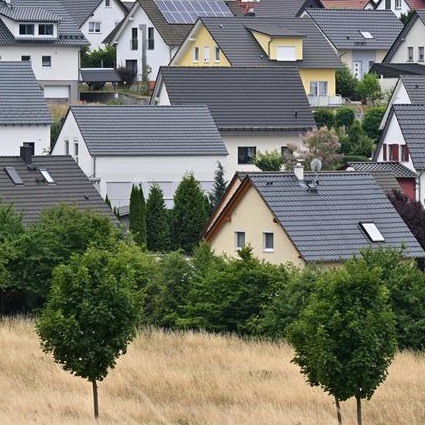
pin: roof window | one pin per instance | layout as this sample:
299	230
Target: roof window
372	231
47	177
366	34
13	175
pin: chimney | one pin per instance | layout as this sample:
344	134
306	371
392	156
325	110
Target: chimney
299	171
26	153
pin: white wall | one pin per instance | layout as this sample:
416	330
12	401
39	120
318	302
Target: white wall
109	17
13	137
404	7
155	58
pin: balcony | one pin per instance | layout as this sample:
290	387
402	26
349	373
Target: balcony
325	100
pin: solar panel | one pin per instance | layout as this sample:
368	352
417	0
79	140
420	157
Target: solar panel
188	11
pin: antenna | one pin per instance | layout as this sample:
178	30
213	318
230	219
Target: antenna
316	165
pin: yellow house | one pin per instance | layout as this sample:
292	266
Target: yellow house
322	218
253	42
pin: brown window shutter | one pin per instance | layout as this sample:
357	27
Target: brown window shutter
406	153
395	152
384	151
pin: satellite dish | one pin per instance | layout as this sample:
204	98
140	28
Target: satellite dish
316	165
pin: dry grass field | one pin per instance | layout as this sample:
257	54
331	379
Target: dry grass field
188	379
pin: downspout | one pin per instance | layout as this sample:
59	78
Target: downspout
418	187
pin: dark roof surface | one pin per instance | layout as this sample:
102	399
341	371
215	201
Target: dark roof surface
149	130
71	186
98	75
395	70
241	49
283	8
343	27
415	87
395	168
243	98
41	10
324	225
21	99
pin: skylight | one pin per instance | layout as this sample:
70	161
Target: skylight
13	175
372	231
366	34
47	177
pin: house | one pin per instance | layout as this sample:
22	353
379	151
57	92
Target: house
24	116
400	7
42	32
118	146
403	141
265	42
310	218
255	109
389	175
34	183
154	29
96	18
360	37
279	8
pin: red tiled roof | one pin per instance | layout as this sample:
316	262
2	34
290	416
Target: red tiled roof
346	4
416	4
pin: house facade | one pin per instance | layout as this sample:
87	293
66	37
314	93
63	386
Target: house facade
44	34
288	216
118	146
96	18
400	7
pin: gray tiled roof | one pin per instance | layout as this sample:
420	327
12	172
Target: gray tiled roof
21	99
343	27
149	130
283	8
395	168
396	70
243	98
411	119
415	87
96	75
42	10
71	186
80	10
324	225
241	49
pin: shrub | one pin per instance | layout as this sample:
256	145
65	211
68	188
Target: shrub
324	118
127	75
344	117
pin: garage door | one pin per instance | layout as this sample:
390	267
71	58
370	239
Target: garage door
56	92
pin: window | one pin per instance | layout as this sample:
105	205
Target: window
239	240
384	152
131	64
76	150
398	4
26	29
45	29
286	53
410	54
366	34
318	88
108	3
216	54
26	58
196	54
13	175
284	152
404	153
372	231
268	242
66	142
246	154
47	177
206	54
151	38
46	61
420	54
393	151
134	45
388	4
94	26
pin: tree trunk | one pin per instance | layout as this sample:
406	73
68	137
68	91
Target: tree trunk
95	401
359	410
338	411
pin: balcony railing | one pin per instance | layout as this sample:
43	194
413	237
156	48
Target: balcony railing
325	100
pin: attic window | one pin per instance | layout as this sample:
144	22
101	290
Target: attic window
47	177
372	231
366	34
13	175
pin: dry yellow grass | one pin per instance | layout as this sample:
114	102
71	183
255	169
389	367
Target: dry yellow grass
188	379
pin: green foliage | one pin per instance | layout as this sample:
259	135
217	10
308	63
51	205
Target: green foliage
219	186
157	227
91	313
359	143
324	118
404	17
61	231
144	84
345	338
100	58
371	121
269	161
344	117
55	129
127	75
369	89
137	215
346	83
190	214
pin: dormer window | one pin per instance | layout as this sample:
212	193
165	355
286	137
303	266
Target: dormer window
286	53
26	29
45	29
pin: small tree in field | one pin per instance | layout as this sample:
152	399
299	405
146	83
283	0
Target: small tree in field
91	314
345	338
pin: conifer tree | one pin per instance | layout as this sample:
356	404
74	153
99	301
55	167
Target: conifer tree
137	215
219	186
157	227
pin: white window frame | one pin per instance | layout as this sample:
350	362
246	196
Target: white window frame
76	150
207	54
266	242
45	26
26	26
398	4
410	54
94	27
240	244
107	3
421	54
372	232
316	86
66	146
196	54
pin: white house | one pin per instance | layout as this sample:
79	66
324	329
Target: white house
400	7
96	18
43	33
118	146
24	117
